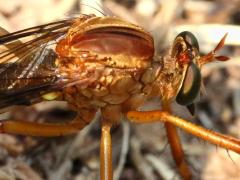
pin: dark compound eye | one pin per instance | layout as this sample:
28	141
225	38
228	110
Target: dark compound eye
190	39
190	86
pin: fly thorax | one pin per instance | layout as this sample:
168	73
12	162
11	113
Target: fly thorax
168	80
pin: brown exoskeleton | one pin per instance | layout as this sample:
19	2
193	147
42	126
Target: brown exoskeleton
103	63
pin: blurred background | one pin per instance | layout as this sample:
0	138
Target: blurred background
139	151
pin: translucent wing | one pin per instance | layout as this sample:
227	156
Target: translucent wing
27	69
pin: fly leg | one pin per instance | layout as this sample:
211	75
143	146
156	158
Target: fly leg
173	139
213	137
106	172
111	115
170	121
22	127
176	147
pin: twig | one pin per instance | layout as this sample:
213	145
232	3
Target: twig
161	167
78	141
124	150
60	173
141	164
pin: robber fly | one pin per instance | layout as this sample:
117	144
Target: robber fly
103	63
93	63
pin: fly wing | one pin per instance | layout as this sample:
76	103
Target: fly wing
27	70
23	83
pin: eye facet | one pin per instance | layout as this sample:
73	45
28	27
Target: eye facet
190	39
190	86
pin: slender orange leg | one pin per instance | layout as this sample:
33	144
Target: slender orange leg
40	129
106	152
218	139
21	127
176	147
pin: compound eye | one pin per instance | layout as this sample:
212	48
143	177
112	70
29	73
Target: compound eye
190	86
189	39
